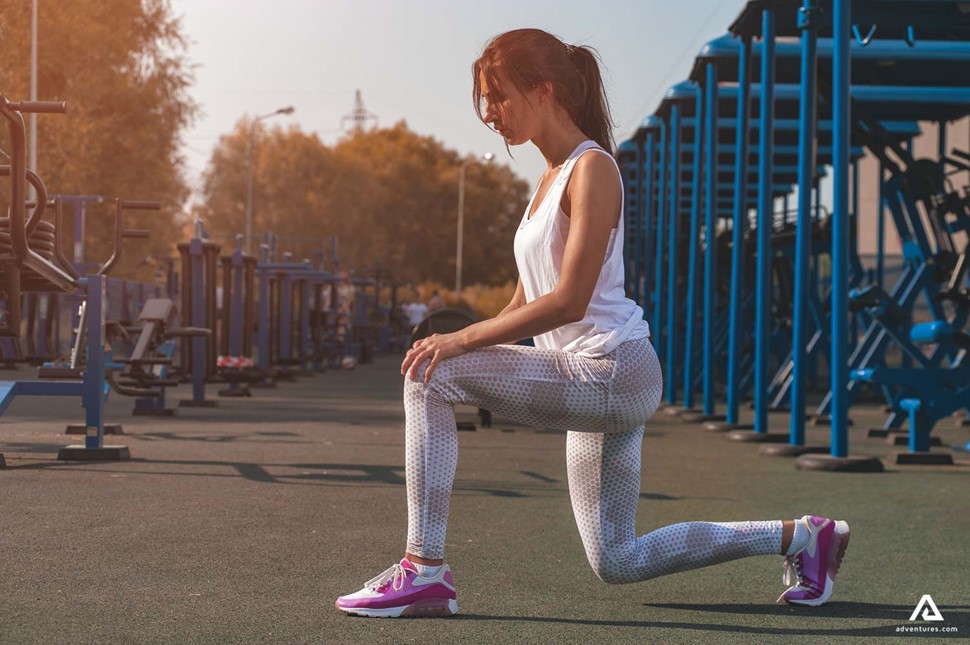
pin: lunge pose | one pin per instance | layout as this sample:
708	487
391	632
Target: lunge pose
593	371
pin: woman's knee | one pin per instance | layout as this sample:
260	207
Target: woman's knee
609	569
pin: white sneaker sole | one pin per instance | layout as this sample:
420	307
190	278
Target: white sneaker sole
420	609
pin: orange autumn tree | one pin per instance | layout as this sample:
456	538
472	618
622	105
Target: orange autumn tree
121	68
390	195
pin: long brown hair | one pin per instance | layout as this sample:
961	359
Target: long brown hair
530	57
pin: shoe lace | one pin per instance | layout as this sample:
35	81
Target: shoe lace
793	573
395	575
792	576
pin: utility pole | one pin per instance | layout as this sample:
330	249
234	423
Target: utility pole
360	116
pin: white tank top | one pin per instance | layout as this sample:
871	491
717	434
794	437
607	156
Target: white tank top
611	317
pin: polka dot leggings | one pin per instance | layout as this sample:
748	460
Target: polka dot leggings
597	401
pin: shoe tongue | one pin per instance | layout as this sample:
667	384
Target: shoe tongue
407	565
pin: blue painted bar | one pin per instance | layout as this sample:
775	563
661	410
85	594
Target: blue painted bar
658	289
740	225
649	217
673	269
710	231
840	226
694	248
93	397
803	233
881	227
765	222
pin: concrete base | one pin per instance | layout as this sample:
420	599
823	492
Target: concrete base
724	426
235	392
903	440
839	464
826	420
204	403
105	453
109	428
922	459
673	410
750	436
153	412
879	433
788	450
700	417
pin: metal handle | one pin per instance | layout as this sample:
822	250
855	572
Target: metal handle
140	205
40	107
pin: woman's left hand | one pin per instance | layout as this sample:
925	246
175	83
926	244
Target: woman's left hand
436	347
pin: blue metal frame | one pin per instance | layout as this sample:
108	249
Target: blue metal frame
765	220
740	225
673	227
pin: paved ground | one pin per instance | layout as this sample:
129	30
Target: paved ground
243	523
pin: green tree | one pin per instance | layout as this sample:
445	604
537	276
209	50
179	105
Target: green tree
389	195
121	68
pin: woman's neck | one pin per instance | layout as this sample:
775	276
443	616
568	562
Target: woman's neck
557	142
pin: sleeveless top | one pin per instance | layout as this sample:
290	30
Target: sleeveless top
611	317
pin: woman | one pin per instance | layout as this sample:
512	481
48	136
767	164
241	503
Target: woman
593	371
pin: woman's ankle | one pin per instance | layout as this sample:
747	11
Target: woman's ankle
428	562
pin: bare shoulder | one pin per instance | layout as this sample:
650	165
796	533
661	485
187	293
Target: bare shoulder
595	182
596	168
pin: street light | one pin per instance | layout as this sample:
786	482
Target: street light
461	213
289	109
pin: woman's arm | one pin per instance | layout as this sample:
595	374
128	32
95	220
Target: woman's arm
518	299
594	197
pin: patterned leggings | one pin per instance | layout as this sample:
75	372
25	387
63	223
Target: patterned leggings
597	401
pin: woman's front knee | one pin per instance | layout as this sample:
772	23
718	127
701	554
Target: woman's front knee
609	570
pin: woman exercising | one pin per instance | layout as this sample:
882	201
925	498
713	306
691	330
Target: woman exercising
593	371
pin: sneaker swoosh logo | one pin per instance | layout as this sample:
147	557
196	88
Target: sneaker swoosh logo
418	581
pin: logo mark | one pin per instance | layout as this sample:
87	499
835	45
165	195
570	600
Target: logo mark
930	611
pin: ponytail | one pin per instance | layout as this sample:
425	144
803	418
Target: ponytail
530	57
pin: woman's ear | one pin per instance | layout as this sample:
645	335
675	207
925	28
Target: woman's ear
544	90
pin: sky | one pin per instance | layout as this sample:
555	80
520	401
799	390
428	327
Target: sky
411	60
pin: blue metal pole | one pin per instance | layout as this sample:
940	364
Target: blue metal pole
740	224
634	225
658	289
710	232
765	220
880	228
695	234
93	396
648	219
263	348
673	268
841	79
803	227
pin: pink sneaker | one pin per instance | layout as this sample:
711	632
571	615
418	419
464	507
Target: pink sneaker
402	591
811	571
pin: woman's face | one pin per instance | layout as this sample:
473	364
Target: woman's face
513	114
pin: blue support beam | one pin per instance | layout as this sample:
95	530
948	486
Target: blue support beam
694	260
801	329
765	222
740	225
710	233
840	227
673	269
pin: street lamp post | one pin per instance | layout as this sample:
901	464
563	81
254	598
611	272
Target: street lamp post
461	214
249	172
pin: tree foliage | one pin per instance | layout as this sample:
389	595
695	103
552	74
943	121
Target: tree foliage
121	68
389	195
